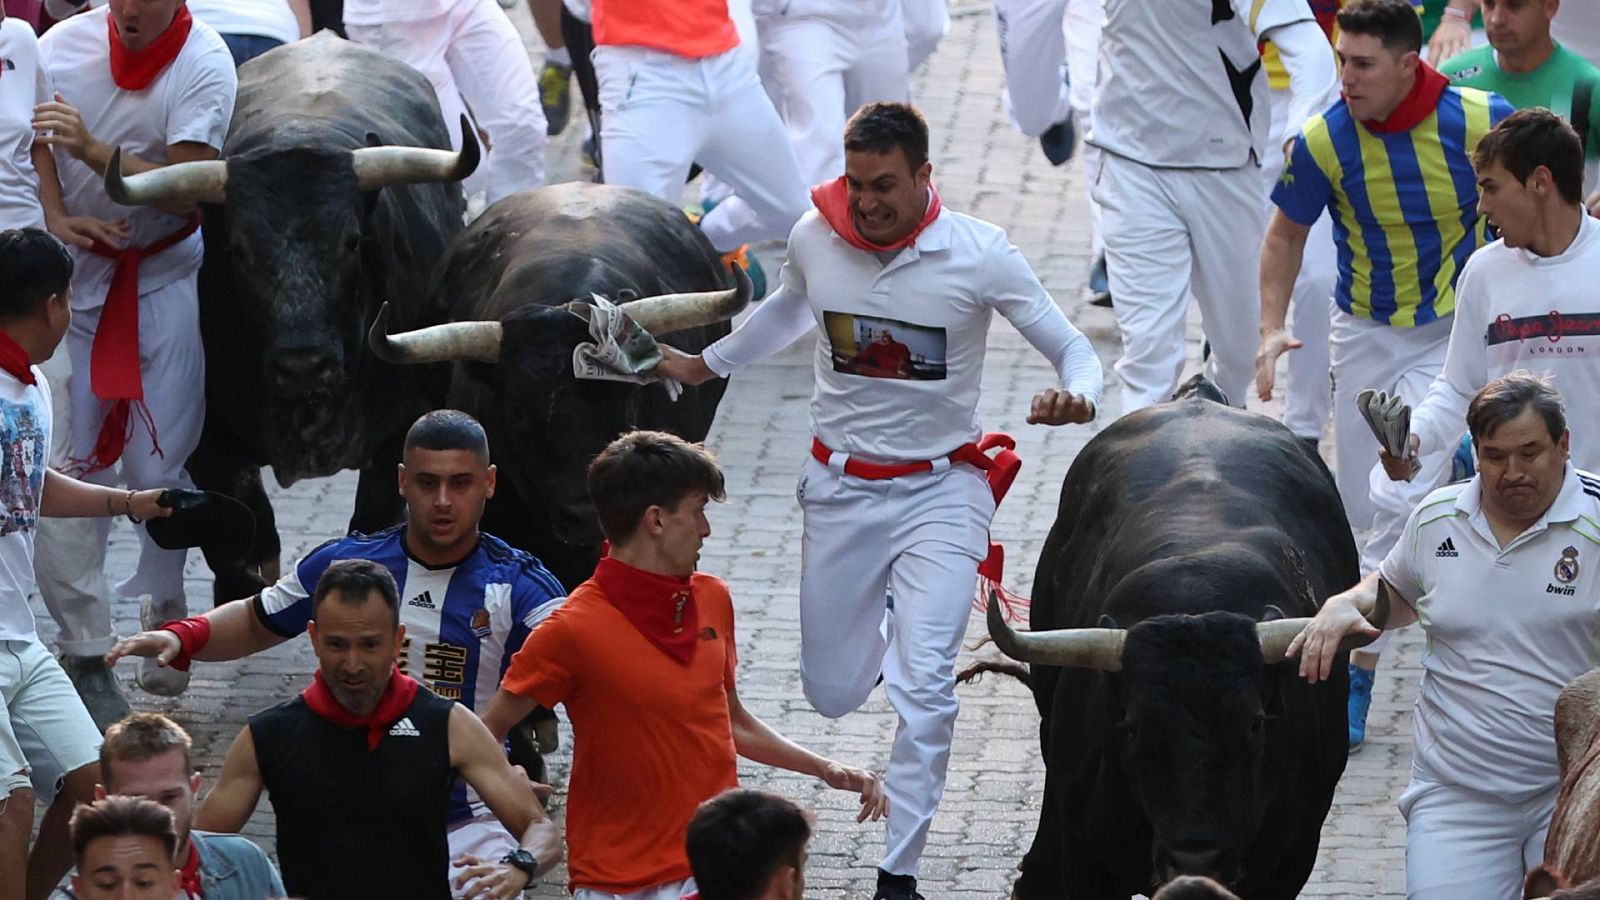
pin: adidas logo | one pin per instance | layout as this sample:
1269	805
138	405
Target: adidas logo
1448	548
423	600
404	728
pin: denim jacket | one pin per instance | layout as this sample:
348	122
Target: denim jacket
231	868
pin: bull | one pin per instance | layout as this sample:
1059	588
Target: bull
337	192
509	278
1571	852
1175	740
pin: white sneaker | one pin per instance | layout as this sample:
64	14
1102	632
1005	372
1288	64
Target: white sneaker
154	677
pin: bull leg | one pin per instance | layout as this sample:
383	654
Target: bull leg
378	502
1057	865
214	469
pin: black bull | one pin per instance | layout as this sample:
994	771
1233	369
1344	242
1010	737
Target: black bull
509	278
1175	740
335	195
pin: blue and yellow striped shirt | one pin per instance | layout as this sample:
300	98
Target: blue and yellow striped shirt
1404	204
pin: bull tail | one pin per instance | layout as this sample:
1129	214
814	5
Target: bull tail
973	673
1200	388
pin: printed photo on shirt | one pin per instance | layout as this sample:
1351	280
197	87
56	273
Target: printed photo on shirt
22	444
885	348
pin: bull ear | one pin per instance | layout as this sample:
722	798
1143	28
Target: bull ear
1107	622
373	140
1271	614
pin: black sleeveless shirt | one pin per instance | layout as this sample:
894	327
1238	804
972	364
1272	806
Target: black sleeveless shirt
353	822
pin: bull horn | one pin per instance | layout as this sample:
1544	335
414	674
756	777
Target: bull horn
204	181
1275	637
1085	648
450	342
378	167
666	313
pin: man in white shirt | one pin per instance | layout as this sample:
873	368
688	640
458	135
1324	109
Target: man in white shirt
48	742
145	77
1500	572
469	50
252	27
1526	301
1182	115
897	493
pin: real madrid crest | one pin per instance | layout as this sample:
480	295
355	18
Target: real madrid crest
1567	566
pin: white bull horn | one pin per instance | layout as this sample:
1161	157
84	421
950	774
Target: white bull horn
205	181
666	313
1084	648
450	342
1276	636
378	167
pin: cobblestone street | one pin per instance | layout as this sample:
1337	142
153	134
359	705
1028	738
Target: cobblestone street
990	808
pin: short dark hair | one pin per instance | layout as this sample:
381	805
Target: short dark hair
1193	887
33	265
448	429
739	838
1529	138
642	469
355	580
1504	398
122	816
143	736
1394	22
881	127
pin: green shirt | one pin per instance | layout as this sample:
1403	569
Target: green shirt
1551	86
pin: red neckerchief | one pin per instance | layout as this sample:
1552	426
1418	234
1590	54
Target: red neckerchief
191	872
660	606
14	360
114	355
397	697
133	70
832	199
1418	105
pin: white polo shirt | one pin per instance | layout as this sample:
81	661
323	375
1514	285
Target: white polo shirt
1506	629
902	336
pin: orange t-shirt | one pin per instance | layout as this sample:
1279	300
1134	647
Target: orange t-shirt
691	28
652	738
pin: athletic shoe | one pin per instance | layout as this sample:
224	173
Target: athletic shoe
1462	463
154	677
507	4
555	95
741	257
98	689
1099	283
896	887
586	152
1060	141
1360	703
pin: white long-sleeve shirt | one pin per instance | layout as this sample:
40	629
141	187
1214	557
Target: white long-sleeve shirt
1517	310
901	343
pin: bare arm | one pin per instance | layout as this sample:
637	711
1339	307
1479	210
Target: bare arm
236	632
302	16
231	802
1281	251
505	711
1361	612
1454	33
80	231
481	760
66	497
63	127
756	741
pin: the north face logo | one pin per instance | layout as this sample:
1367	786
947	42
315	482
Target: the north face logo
1448	548
423	600
404	728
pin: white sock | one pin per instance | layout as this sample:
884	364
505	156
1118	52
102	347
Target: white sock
558	56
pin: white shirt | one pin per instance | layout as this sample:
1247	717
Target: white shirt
1507	629
191	100
1166	97
24	452
1577	27
862	11
915	395
262	18
382	12
23	85
1518	310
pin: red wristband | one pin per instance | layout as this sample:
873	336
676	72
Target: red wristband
193	634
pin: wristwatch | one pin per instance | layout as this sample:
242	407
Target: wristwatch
522	859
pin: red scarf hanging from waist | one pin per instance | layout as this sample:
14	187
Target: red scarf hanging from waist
114	357
1419	103
832	199
133	70
661	606
14	360
397	697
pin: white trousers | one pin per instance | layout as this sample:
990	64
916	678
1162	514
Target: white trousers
916	540
661	112
819	71
670	891
1464	845
927	22
172	365
1035	36
1309	396
1170	233
73	588
1367	354
482	836
474	52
